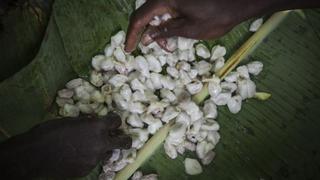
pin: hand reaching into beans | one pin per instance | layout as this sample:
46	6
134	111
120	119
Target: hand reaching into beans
205	19
66	147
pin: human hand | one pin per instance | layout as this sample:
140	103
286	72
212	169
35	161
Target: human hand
67	147
205	19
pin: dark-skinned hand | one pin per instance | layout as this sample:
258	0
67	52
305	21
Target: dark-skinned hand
205	19
67	147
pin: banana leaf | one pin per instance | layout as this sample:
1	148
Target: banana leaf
86	27
27	96
274	139
22	26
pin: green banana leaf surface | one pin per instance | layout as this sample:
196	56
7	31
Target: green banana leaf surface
22	26
273	139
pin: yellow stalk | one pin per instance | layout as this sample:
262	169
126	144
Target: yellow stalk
262	96
248	47
157	139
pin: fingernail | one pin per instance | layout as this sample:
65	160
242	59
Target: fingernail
153	35
164	45
146	39
127	50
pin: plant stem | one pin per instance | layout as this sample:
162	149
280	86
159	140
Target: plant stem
247	48
147	150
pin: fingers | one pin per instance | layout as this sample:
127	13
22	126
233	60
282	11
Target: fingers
116	139
112	121
106	156
174	27
181	27
146	39
141	18
121	141
163	44
171	28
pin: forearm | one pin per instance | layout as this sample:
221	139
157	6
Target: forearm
255	8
